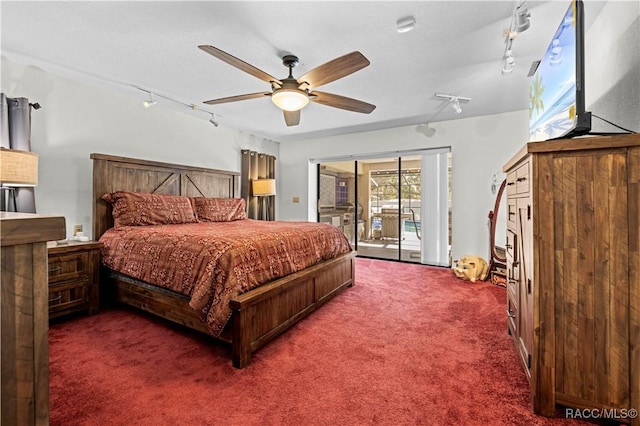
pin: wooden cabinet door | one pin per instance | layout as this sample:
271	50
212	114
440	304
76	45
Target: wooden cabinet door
590	254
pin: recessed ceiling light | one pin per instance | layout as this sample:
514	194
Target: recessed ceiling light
405	24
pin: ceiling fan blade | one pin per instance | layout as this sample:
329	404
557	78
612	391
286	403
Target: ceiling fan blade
239	63
342	102
292	118
335	69
237	98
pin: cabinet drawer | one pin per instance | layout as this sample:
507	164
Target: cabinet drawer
511	183
522	178
71	266
518	180
67	295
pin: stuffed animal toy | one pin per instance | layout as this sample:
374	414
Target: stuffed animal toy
471	268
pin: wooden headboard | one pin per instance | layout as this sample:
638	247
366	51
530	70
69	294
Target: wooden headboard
111	173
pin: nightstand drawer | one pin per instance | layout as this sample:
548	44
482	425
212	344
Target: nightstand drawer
74	277
64	267
68	295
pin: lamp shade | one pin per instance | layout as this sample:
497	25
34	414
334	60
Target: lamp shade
18	168
263	187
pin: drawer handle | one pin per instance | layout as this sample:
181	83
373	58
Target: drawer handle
57	299
58	269
512	214
521	179
511	183
510	314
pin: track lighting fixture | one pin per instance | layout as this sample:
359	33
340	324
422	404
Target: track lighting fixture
520	21
149	102
454	101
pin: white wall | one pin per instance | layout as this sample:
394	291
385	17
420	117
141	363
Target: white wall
612	66
79	118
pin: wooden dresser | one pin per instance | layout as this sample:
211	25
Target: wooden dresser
24	353
73	277
573	269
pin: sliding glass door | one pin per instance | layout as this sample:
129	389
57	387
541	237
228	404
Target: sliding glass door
384	211
388	207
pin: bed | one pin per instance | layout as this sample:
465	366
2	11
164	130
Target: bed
258	315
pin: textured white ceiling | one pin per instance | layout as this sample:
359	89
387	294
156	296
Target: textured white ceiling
456	48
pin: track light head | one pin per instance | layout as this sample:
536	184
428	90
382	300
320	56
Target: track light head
148	103
522	18
455	104
213	120
454	101
509	63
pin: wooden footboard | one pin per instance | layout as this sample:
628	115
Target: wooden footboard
258	315
263	313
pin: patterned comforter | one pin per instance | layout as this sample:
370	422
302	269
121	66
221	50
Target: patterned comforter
212	262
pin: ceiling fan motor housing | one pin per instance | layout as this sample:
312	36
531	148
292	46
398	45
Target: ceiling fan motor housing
290	61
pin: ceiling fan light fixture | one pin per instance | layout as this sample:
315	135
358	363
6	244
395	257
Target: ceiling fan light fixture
290	99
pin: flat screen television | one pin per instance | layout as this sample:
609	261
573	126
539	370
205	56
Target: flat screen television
556	91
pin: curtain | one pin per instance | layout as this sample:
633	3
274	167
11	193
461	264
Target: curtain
16	134
257	166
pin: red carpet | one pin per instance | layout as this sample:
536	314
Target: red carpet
408	345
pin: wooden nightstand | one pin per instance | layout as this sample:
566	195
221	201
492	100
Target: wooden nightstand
74	277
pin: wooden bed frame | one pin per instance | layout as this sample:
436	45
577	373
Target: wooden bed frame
258	315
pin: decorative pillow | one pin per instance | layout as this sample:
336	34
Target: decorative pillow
219	209
139	208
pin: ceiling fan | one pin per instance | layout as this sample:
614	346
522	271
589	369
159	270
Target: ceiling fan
291	94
